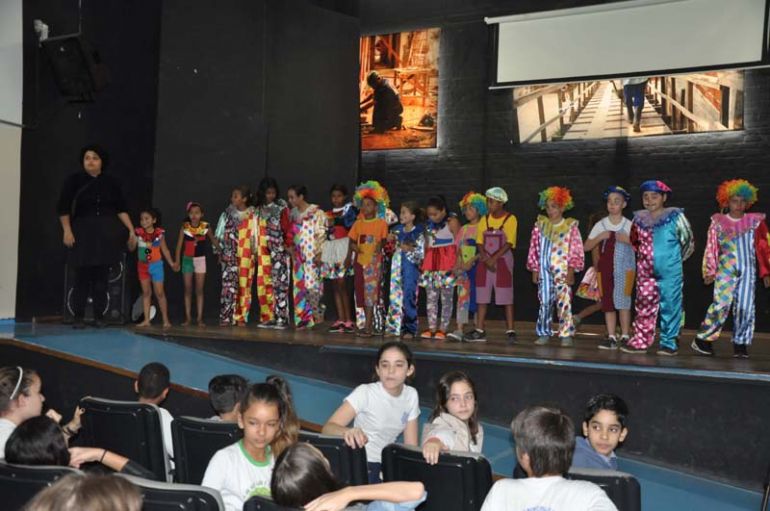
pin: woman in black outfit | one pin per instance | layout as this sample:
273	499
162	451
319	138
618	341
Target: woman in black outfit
91	210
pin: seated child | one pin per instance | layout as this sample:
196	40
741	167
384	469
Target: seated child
76	492
604	428
225	392
544	439
152	387
303	478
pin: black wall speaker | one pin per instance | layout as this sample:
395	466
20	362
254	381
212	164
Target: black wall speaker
78	69
115	311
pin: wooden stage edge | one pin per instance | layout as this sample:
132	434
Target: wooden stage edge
585	353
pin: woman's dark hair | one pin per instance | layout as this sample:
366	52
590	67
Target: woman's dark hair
299	190
438	202
37	441
245	192
337	187
276	392
264	185
414	207
94	148
609	402
154	213
14	381
301	474
444	390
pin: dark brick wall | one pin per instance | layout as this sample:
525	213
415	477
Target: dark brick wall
476	126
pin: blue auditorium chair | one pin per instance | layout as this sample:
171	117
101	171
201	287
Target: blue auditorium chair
195	442
623	489
348	464
264	504
18	483
158	496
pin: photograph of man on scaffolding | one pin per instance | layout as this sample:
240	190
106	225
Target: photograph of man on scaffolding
630	107
398	84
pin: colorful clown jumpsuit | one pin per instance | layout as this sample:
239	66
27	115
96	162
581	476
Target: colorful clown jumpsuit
308	234
273	264
732	246
438	276
149	260
237	234
404	275
553	249
661	246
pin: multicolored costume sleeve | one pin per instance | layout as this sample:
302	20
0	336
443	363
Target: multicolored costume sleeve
553	250
734	251
661	245
239	248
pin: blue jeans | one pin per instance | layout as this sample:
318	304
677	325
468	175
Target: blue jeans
374	472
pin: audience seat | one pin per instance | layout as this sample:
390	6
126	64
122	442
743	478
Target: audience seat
622	488
18	484
195	442
459	481
128	428
159	496
349	465
264	504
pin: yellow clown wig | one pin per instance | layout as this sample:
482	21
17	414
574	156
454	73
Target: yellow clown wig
476	201
375	191
560	195
739	187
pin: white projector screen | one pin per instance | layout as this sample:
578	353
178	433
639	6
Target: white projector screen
10	61
628	38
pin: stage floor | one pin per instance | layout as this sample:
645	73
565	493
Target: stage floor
585	353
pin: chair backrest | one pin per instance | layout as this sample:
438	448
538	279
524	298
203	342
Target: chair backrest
18	483
622	488
128	428
348	465
459	481
158	496
195	442
257	503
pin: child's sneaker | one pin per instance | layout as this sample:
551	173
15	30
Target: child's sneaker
267	324
610	343
439	335
427	334
457	335
668	352
348	328
510	336
280	325
476	336
740	351
542	340
337	327
567	342
633	350
702	347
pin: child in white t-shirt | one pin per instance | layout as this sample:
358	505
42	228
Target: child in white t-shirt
380	411
243	469
454	424
545	441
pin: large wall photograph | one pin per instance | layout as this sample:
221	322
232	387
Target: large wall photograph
630	107
398	84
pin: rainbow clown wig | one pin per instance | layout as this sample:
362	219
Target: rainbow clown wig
560	195
476	201
739	187
375	191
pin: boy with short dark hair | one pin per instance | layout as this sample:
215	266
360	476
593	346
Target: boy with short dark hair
604	428
152	387
225	393
544	439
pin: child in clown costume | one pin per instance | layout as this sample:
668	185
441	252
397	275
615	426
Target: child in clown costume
367	236
307	237
555	254
662	239
473	206
405	271
734	242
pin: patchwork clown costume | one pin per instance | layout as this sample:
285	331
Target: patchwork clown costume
661	244
273	265
404	276
736	253
553	250
467	246
380	310
149	260
307	236
438	277
237	235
